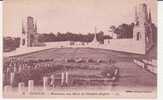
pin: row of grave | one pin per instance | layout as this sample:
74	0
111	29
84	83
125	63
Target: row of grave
48	67
81	60
28	60
76	60
33	73
18	65
64	81
39	72
41	69
30	86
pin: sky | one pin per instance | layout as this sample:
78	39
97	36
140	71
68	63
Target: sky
77	16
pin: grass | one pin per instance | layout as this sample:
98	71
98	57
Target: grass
130	74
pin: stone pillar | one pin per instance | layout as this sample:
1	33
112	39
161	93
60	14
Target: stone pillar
45	82
7	88
21	86
67	78
8	70
30	85
20	69
15	69
62	78
12	76
52	80
48	65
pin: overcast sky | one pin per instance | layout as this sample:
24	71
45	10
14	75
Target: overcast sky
79	16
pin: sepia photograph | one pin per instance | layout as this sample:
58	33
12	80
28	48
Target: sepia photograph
80	49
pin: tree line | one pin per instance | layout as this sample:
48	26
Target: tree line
122	31
69	36
10	43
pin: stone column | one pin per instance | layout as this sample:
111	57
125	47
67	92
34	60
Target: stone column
67	77
21	86
20	69
8	70
45	82
7	88
62	78
52	80
12	76
30	85
48	65
15	69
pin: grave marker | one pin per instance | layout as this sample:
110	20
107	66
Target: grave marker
12	76
45	82
21	87
30	85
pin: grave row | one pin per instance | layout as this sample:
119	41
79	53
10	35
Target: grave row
45	85
80	60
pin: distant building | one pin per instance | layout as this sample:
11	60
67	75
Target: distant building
29	36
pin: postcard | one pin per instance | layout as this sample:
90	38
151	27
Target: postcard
80	49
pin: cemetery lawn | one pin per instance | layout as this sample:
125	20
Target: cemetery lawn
131	75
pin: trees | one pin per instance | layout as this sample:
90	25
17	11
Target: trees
112	27
100	37
124	30
10	43
154	31
68	36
